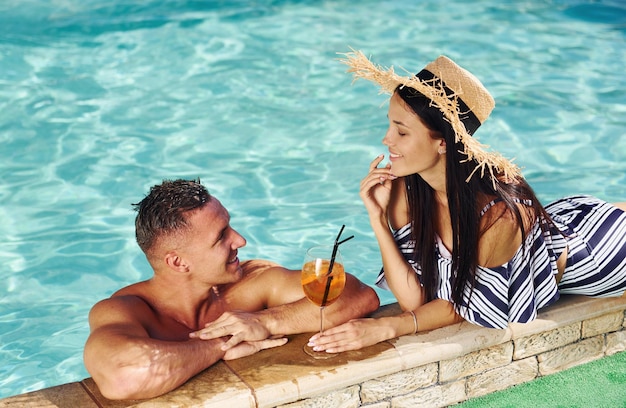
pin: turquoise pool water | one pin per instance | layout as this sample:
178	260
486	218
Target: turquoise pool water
102	99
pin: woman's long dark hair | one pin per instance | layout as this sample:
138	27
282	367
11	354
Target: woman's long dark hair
462	202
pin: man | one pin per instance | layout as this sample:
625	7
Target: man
152	336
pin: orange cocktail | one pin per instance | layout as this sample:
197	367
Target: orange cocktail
315	279
319	287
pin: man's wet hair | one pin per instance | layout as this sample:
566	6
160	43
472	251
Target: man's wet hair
162	211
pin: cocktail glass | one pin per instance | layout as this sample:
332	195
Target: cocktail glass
319	286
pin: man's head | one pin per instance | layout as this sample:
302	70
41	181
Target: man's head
164	211
182	228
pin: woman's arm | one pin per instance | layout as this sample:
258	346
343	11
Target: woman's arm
400	276
384	198
360	333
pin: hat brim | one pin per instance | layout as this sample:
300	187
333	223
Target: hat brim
361	67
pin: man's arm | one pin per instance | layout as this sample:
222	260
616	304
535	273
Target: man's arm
285	310
302	315
126	363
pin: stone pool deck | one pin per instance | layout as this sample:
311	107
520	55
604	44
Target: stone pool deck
432	369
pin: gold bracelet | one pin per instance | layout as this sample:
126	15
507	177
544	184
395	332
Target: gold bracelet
414	321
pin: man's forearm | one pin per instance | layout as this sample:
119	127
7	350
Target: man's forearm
146	368
357	300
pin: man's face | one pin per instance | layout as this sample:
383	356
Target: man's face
211	245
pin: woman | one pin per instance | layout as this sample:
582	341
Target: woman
461	233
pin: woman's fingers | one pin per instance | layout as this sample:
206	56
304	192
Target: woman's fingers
352	335
382	170
380	176
377	175
374	164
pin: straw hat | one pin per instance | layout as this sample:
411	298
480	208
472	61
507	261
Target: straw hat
458	94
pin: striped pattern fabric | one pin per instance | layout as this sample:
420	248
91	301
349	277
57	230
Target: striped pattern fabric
595	233
596	261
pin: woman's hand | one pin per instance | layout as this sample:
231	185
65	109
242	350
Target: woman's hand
353	335
375	188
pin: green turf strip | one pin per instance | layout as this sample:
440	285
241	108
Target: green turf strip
598	384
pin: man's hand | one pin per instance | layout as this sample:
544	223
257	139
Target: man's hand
241	326
247	348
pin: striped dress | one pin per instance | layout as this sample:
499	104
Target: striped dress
593	231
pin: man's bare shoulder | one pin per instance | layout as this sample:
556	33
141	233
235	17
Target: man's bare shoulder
263	284
119	309
138	289
129	305
266	272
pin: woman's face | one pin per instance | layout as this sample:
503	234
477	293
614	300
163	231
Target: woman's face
412	147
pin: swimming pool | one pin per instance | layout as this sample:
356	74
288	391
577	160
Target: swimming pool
102	99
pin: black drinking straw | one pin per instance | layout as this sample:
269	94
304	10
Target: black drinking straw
332	263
